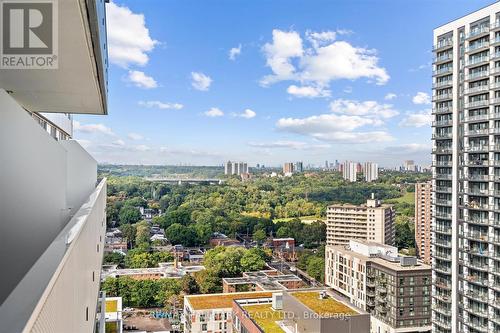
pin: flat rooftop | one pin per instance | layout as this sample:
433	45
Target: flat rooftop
395	266
265	317
263	280
221	301
323	306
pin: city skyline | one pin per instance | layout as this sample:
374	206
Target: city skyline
275	90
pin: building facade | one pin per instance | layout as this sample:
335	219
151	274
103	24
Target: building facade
350	171
372	221
288	168
466	155
50	198
423	220
235	168
370	171
395	290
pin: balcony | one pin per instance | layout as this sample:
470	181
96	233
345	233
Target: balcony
477	177
440	123
476	75
476	104
441	310
442	150
476	266
495	101
442	45
478	89
443	71
443	58
476	148
477	280
442	189
444	231
477	47
443	109
477	61
442	97
443	255
478	32
477	163
442	284
442	163
476	236
443	176
476	191
495	147
443	215
476	132
441	136
442	84
442	269
443	202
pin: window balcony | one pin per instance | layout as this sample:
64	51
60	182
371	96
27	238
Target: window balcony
477	220
444	176
476	104
442	163
442	256
442	283
476	236
476	132
440	136
476	148
442	71
443	202
476	75
443	58
477	60
495	147
443	189
442	109
442	97
442	150
477	47
483	178
477	32
477	163
441	123
443	215
443	44
444	231
442	84
477	89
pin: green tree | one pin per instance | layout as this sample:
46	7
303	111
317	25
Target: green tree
189	284
209	282
259	236
129	232
316	268
114	258
143	232
252	261
129	215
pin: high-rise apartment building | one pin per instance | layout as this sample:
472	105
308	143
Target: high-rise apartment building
350	171
395	290
466	187
52	206
423	220
288	168
409	165
298	167
235	168
370	171
373	221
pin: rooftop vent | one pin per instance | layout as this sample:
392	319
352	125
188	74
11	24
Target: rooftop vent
277	301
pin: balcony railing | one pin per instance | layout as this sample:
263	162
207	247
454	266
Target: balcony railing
475	104
438	136
443	215
441	242
441	97
443	109
442	84
477	89
477	163
477	60
477	177
444	57
477	46
442	150
475	75
443	44
443	70
443	202
447	122
444	189
476	148
477	236
481	131
477	31
445	231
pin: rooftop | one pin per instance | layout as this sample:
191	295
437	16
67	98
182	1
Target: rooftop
221	301
323	306
265	317
264	279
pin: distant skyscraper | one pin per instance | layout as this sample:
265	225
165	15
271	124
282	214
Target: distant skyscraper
409	165
370	171
423	219
288	168
349	171
298	167
228	168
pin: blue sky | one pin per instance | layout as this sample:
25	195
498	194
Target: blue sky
201	82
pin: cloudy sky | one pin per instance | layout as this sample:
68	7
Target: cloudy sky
201	82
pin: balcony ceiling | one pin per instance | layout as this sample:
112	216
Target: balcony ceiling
79	83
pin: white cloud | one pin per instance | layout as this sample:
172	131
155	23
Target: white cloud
248	114
285	45
200	81
390	96
135	136
161	105
356	137
234	52
421	98
128	37
366	108
326	60
141	148
84	143
419	119
92	128
214	112
296	145
308	91
324	123
119	142
141	80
